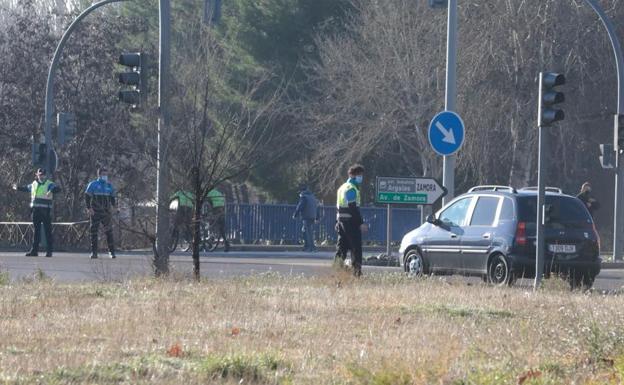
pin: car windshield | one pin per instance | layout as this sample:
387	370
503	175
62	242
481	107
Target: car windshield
561	211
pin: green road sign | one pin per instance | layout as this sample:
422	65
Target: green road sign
416	191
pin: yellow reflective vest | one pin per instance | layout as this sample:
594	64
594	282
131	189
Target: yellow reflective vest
342	204
39	194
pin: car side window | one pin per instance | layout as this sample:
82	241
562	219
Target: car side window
455	215
507	211
484	213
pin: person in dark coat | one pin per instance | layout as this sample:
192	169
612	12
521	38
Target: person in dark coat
307	209
349	222
42	192
101	200
589	201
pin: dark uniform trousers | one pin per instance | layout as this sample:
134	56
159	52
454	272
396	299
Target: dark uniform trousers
182	221
42	216
350	238
218	222
105	218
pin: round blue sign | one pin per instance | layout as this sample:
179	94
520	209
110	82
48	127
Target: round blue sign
446	133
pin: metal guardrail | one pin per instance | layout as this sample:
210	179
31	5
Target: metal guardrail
274	223
66	234
245	223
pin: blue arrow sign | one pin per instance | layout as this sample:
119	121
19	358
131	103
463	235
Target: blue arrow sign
446	133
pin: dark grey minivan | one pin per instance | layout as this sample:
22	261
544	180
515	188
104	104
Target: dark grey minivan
491	232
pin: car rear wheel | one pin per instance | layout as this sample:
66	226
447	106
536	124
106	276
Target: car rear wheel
499	271
414	264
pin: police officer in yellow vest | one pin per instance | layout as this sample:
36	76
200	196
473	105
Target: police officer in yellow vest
183	202
216	199
42	193
349	222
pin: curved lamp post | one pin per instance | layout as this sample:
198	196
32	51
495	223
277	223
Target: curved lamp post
49	97
618	222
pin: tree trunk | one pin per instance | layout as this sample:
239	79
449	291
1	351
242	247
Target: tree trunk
199	200
196	236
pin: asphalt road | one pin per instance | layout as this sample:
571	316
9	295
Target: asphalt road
77	267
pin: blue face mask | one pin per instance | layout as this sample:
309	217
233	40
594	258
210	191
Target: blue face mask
359	179
104	178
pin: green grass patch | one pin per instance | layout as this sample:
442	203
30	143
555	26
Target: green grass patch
5	280
458	311
255	368
385	376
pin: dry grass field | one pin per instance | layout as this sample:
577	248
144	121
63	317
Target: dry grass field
270	329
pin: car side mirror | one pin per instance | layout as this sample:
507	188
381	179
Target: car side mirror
432	219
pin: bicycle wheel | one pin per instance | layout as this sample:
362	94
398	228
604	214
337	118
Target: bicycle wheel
186	243
209	241
212	243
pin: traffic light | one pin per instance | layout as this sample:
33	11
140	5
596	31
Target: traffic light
549	96
39	154
619	133
66	127
136	78
607	156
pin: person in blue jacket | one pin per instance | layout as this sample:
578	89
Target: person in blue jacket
101	200
307	209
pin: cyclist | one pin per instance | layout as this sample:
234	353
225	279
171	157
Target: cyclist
182	202
216	200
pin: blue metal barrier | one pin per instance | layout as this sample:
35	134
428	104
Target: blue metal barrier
274	223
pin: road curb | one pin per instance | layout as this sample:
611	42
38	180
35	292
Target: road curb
612	265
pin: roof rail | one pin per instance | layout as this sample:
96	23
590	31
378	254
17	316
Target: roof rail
548	189
492	188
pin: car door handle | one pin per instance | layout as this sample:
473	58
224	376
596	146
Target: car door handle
453	236
487	236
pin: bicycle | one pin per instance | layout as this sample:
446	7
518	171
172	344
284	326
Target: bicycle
179	225
210	240
185	244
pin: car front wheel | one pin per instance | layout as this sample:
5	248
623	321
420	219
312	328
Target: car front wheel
499	271
414	264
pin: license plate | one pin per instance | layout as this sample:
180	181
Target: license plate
562	249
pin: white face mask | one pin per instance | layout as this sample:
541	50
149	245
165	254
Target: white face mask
104	178
359	179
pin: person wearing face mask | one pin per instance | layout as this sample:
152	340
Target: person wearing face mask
589	201
349	222
100	198
42	192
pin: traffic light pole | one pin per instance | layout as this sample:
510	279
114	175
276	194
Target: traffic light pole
49	96
618	221
547	114
448	167
161	258
541	191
